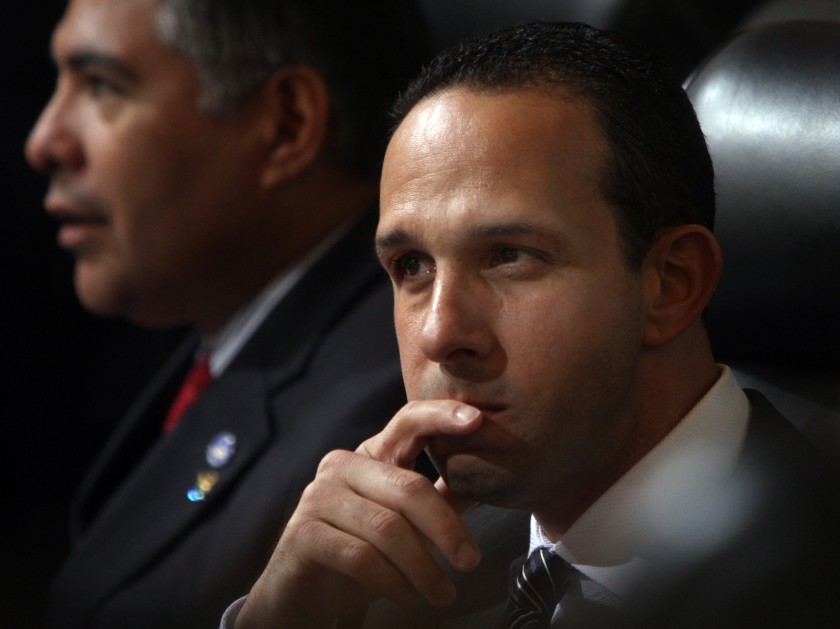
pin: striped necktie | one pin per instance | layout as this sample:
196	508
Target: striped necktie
537	591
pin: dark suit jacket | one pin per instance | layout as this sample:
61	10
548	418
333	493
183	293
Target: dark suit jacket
503	536
322	372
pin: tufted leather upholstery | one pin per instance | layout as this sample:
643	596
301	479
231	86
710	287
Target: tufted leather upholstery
769	103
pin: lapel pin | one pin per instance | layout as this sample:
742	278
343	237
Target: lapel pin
204	483
219	452
221	449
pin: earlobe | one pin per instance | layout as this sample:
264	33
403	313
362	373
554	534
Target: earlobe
684	265
297	114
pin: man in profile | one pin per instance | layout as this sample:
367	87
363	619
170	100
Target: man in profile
547	202
216	165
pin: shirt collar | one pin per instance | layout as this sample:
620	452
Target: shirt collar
631	525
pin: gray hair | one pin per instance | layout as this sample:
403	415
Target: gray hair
366	51
234	51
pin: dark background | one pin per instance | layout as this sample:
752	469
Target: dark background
65	376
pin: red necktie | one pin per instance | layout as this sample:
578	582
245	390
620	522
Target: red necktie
196	380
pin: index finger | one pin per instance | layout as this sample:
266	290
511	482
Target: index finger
408	433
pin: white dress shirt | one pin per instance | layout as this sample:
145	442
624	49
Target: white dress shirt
669	505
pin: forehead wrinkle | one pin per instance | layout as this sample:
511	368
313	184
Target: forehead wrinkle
431	193
533	232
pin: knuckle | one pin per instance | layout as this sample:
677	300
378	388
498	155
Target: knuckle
302	531
305	528
411	406
313	494
385	525
332	462
411	409
405	415
356	555
409	484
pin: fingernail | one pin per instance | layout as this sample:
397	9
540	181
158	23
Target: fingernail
467	556
445	594
466	414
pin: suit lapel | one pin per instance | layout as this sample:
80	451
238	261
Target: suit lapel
131	440
151	510
502	535
492	611
771	437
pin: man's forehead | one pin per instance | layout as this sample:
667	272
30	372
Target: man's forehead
480	160
103	24
496	131
484	118
432	108
440	115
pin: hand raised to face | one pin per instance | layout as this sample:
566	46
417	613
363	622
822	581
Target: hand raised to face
366	526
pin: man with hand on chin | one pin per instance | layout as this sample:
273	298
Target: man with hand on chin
547	202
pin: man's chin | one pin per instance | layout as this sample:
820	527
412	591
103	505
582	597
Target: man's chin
95	292
106	293
474	477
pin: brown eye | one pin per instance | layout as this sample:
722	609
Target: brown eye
413	265
507	256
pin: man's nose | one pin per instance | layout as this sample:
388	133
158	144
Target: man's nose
457	325
53	144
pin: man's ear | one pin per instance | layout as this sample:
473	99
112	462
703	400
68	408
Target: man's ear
684	266
296	118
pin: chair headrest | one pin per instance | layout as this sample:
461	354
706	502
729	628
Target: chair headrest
787	10
769	104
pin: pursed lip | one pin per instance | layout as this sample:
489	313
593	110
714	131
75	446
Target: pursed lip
487	408
481	439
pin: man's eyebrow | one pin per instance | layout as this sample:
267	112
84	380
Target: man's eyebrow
516	228
392	239
90	59
400	237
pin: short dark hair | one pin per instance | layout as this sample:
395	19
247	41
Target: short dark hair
366	50
659	174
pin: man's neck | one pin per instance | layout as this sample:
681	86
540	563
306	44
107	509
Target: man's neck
670	392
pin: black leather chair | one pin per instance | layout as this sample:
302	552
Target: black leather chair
769	103
790	10
683	31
